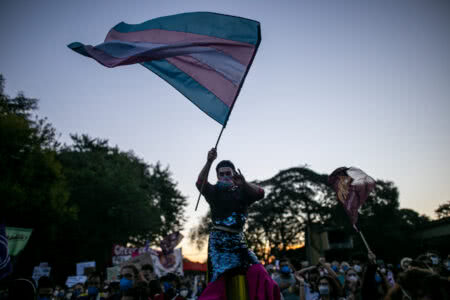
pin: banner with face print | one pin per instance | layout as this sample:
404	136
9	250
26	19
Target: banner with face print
168	263
352	187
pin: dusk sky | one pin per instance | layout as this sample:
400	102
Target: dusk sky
334	83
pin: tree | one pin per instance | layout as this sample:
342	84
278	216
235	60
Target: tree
295	198
443	211
120	199
32	188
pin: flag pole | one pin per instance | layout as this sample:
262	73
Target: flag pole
205	179
362	237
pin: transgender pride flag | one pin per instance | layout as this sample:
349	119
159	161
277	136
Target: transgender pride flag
204	55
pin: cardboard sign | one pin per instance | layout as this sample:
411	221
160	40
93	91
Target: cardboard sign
72	280
42	270
112	274
81	267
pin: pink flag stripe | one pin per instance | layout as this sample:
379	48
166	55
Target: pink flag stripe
224	89
240	51
108	60
221	87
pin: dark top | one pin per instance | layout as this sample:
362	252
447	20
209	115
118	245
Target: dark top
229	205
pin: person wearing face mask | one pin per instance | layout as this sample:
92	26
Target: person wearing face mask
352	285
129	285
182	293
285	279
77	290
93	288
328	288
228	253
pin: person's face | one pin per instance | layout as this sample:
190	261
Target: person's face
94	282
434	258
148	274
225	174
128	274
351	276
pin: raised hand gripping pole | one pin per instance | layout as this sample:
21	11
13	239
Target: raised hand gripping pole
206	177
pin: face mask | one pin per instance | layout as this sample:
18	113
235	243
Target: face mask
447	265
377	278
183	293
224	184
92	291
44	298
357	268
285	270
335	268
167	286
345	268
321	273
55	293
434	260
324	290
352	277
125	284
383	271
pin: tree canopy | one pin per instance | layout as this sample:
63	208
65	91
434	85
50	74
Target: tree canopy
80	199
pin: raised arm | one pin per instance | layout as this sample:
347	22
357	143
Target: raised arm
203	176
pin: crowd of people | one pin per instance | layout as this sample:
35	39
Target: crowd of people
132	284
425	277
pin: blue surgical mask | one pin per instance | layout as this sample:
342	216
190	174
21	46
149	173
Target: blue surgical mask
345	268
224	184
92	291
184	293
378	278
324	290
434	260
335	268
167	286
125	284
285	270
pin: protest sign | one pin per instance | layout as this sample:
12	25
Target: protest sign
72	280
112	274
42	270
169	263
17	239
121	254
139	261
84	265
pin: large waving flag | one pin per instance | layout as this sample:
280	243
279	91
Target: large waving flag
205	56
